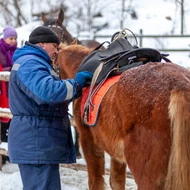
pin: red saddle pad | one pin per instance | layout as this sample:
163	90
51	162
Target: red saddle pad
97	98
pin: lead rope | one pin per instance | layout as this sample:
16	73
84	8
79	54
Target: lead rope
55	63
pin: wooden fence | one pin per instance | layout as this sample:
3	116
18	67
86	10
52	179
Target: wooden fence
158	39
4	112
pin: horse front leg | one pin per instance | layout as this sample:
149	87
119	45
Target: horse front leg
94	157
117	175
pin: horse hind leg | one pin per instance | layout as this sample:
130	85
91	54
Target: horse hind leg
117	175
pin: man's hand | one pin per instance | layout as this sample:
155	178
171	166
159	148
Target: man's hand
83	78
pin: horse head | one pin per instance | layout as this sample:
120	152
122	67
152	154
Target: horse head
56	25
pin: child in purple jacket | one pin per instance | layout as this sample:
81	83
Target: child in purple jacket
8	45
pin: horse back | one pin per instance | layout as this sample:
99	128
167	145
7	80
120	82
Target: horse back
139	99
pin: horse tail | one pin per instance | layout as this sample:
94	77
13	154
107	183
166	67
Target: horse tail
178	175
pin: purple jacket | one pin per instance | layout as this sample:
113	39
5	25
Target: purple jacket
6	54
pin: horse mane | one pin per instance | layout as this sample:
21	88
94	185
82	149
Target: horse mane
71	63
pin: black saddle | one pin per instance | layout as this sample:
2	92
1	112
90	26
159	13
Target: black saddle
119	56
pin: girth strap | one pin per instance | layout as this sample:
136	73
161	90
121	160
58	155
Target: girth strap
93	90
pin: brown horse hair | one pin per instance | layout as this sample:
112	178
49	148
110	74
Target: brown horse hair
76	58
179	112
151	134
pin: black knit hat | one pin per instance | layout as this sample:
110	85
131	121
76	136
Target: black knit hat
43	34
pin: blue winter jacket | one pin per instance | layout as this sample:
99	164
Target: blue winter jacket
40	130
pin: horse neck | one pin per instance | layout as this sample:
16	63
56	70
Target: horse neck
68	37
69	59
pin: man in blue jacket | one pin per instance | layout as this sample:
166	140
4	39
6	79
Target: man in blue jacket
40	135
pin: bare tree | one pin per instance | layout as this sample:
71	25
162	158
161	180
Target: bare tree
181	4
11	12
180	11
20	18
83	14
20	12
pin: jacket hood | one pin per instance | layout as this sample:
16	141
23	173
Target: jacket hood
31	49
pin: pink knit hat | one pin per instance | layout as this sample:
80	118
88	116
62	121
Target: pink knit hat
9	31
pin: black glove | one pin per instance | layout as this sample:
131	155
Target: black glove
83	78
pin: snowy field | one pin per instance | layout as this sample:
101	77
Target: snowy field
73	177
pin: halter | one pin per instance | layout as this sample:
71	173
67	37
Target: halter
61	39
57	27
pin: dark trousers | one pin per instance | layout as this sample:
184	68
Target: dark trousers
40	176
4	138
4	131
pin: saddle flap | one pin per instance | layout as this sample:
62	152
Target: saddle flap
114	50
91	62
140	54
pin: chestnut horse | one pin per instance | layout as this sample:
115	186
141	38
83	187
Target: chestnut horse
144	122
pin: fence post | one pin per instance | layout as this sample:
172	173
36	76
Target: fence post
0	154
141	37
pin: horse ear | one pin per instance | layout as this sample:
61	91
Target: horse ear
60	17
43	17
74	42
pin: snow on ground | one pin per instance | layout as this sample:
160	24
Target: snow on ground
72	178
